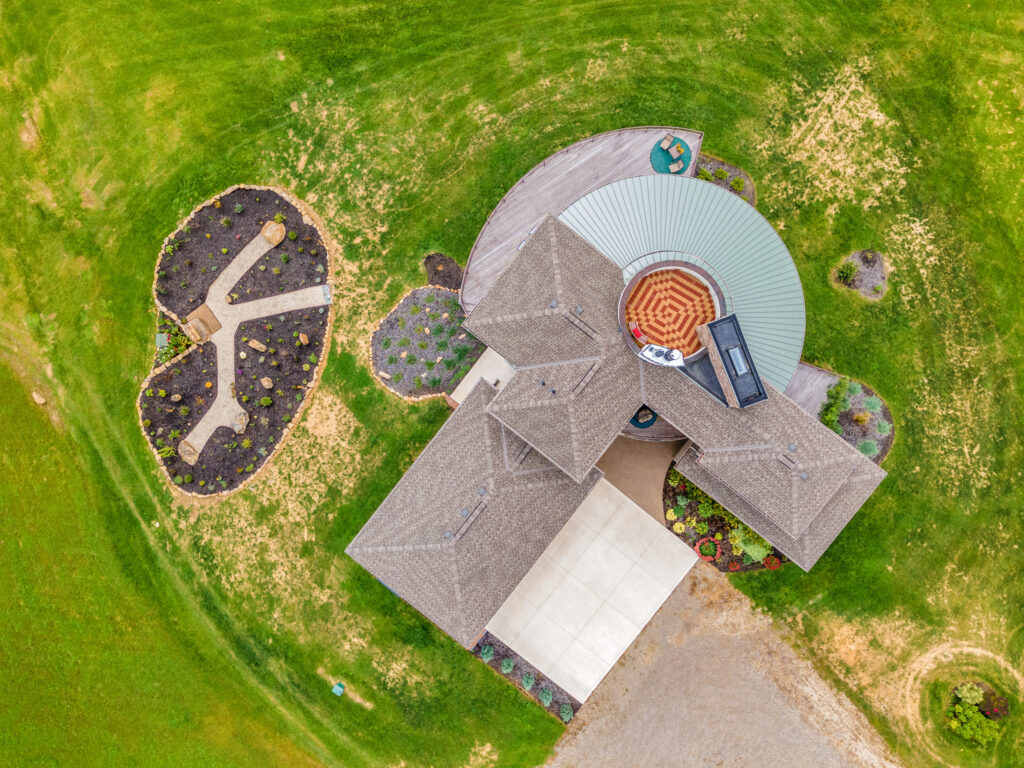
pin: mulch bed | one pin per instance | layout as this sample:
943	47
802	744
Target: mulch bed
195	255
717	524
186	270
853	432
716	167
443	271
870	281
522	666
412	362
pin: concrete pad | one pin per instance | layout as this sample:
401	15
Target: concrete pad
542	642
594	590
515	614
491	367
571	605
609	633
601	566
540	581
638	595
579	670
571	542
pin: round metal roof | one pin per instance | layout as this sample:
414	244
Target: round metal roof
641	221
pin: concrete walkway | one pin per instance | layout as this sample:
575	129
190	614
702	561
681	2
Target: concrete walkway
226	411
809	387
711	683
638	468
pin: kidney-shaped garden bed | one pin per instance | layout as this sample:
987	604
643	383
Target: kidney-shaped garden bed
214	417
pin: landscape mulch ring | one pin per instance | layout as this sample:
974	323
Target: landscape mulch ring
712	164
443	271
420	348
195	255
871	274
522	666
716	524
853	432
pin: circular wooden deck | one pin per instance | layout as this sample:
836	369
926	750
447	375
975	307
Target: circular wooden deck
667	306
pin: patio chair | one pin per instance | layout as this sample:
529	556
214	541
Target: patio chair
676	167
667	141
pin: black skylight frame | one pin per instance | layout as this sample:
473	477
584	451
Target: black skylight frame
728	336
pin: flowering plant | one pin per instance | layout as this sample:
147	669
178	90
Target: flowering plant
703	548
734	566
772	563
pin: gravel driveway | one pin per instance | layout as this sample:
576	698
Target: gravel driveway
710	683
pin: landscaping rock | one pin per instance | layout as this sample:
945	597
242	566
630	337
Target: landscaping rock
384	375
303	339
273	232
39	399
259	346
267	382
175	398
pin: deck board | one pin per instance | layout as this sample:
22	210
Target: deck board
551	187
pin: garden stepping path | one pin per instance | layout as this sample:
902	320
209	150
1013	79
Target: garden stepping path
226	411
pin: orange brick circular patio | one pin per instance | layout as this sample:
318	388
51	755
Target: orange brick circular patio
668	305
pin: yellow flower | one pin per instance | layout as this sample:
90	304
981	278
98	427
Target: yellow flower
678	527
671	515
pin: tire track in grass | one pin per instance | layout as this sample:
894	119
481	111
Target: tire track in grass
115	463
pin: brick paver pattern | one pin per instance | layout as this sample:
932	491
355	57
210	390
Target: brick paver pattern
668	305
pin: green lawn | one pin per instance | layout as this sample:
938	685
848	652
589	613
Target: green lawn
403	124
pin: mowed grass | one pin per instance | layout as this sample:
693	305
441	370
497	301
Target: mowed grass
403	124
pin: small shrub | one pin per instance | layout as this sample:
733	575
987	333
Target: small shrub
675	478
188	478
225	222
435	381
847	272
239	208
704	174
224	251
418	382
487	652
392	359
721	173
184	410
750	543
862	418
162	393
266	402
854	388
507	665
737	184
403	342
873	403
701	527
565	712
883	427
966	719
422	345
868	447
545	696
178	479
678	527
293	235
284	259
706	509
836	402
279	217
397	377
528	681
410	360
708	549
149	393
386	343
969	693
146	422
414	309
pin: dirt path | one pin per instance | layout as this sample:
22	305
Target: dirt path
710	683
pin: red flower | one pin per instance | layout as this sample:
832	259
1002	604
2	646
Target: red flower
734	566
771	562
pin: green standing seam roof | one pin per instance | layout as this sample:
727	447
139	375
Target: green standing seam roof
640	221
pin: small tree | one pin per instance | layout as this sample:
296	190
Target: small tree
546	696
487	652
528	681
847	272
565	712
507	665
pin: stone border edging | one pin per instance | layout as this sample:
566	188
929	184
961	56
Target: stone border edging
332	258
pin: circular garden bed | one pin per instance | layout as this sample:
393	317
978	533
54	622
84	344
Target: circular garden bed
276	357
864	272
420	348
861	417
715	534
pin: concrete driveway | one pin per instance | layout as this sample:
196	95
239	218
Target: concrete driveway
710	683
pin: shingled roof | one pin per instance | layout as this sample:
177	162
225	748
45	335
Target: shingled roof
468	519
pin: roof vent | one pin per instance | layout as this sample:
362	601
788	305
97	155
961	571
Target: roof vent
792	446
482	491
447	534
803	475
465	513
552	391
543	383
553	304
579	310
